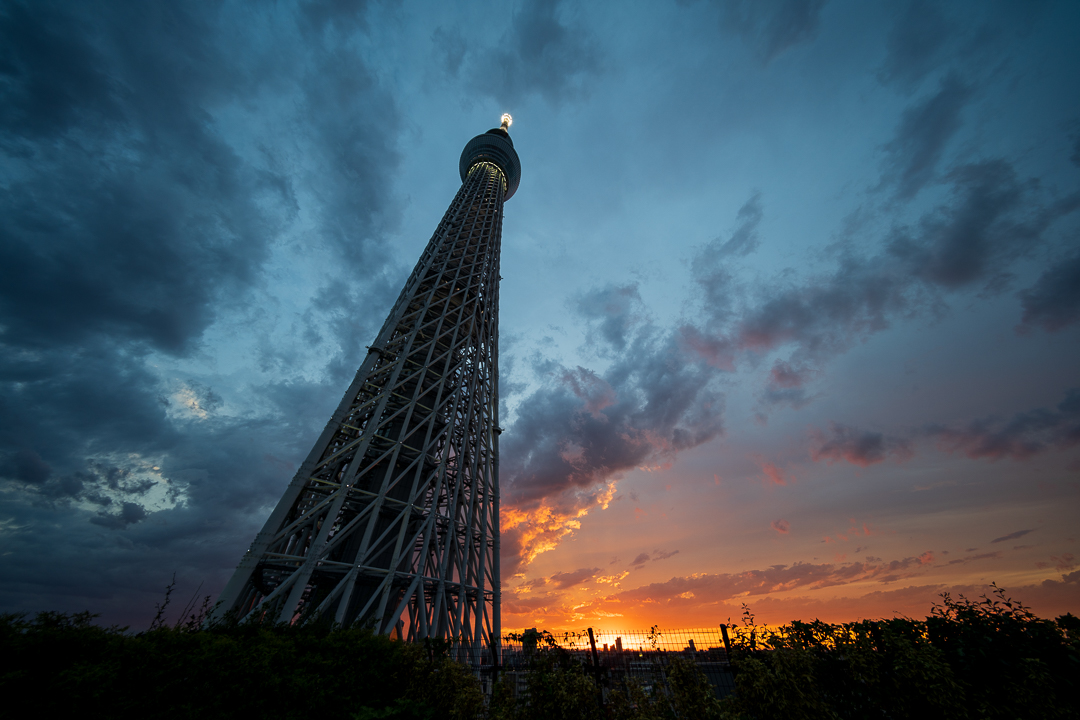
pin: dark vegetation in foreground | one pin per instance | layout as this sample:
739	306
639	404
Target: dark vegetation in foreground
970	659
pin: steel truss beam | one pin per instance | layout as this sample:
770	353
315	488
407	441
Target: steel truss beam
393	519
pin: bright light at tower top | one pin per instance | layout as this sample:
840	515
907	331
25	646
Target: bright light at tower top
506	121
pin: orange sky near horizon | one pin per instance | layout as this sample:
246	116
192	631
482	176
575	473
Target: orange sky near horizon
681	547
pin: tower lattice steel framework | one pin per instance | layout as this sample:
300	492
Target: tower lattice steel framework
393	519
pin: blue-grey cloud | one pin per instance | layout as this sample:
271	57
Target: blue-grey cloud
612	313
858	447
1053	302
1019	437
916	43
991	219
925	129
928	38
541	53
1012	536
711	265
772	26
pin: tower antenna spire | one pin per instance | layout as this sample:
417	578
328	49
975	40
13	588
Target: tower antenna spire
507	121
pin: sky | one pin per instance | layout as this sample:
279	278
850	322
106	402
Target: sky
790	310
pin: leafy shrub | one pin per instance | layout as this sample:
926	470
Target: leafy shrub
990	659
78	669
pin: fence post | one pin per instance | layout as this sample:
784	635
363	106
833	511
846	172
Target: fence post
596	667
727	642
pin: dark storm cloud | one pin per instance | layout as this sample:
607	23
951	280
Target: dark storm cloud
542	52
126	213
1018	438
57	405
1053	302
925	128
858	447
129	513
135	215
772	26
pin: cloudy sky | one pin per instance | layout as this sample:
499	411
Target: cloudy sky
790	303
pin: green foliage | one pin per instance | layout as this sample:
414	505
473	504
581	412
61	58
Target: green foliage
691	694
988	659
688	694
230	670
557	688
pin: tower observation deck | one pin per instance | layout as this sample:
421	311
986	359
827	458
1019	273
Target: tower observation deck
393	518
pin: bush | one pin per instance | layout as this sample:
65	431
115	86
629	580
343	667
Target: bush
970	659
76	668
985	659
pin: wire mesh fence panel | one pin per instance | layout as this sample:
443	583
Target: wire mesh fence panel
620	656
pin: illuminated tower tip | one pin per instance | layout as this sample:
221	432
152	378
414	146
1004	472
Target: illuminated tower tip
506	121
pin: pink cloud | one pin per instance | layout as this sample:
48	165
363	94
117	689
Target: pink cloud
786	375
591	388
717	352
781	526
774	474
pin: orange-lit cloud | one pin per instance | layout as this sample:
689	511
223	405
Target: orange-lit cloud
576	435
778	594
613	580
781	526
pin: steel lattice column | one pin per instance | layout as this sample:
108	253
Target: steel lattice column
394	516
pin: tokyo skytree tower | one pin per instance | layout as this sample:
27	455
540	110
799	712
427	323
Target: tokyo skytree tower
393	518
